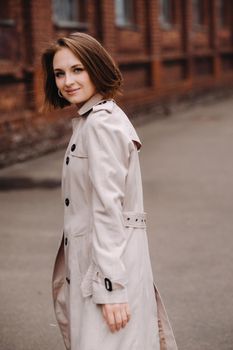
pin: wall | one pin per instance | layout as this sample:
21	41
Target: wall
159	62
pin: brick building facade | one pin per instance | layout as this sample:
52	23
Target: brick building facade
165	48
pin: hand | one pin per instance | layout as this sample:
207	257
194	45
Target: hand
116	315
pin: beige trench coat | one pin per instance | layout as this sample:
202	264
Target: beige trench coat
103	256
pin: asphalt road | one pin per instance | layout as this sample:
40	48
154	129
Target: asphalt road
187	173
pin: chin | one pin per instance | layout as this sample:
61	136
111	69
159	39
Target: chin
74	100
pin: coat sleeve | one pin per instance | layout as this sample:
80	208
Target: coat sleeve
108	154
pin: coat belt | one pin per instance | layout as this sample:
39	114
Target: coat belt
134	219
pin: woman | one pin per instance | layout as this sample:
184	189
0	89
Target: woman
103	289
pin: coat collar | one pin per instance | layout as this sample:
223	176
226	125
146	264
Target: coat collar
95	99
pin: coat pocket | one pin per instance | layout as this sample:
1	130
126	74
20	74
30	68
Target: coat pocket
82	246
79	155
79	234
79	152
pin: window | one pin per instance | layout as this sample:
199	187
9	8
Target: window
125	14
9	46
167	13
198	12
224	13
5	16
68	12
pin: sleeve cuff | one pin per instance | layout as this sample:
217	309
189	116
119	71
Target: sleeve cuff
103	296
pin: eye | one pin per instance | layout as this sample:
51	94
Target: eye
78	70
58	74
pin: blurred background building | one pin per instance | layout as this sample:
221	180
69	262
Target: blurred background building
165	49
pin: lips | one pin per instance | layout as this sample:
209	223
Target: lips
72	92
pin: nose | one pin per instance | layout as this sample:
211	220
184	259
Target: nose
69	80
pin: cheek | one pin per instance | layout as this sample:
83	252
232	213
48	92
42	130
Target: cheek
58	82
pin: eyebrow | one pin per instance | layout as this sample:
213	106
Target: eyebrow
74	66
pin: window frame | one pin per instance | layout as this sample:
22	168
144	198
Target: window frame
199	22
224	14
71	23
8	27
128	21
166	23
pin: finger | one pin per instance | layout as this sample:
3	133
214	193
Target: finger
104	312
128	312
118	318
124	317
111	320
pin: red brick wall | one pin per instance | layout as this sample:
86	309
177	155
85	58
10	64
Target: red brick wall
157	61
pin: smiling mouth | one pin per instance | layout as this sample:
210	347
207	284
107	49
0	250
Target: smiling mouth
72	92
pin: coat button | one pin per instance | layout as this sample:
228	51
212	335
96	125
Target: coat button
66	241
67	201
67	280
108	284
67	160
73	147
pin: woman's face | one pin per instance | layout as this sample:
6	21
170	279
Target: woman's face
71	78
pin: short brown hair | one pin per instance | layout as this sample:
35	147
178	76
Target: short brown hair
103	71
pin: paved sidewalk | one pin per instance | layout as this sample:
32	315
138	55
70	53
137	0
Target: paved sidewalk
187	172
